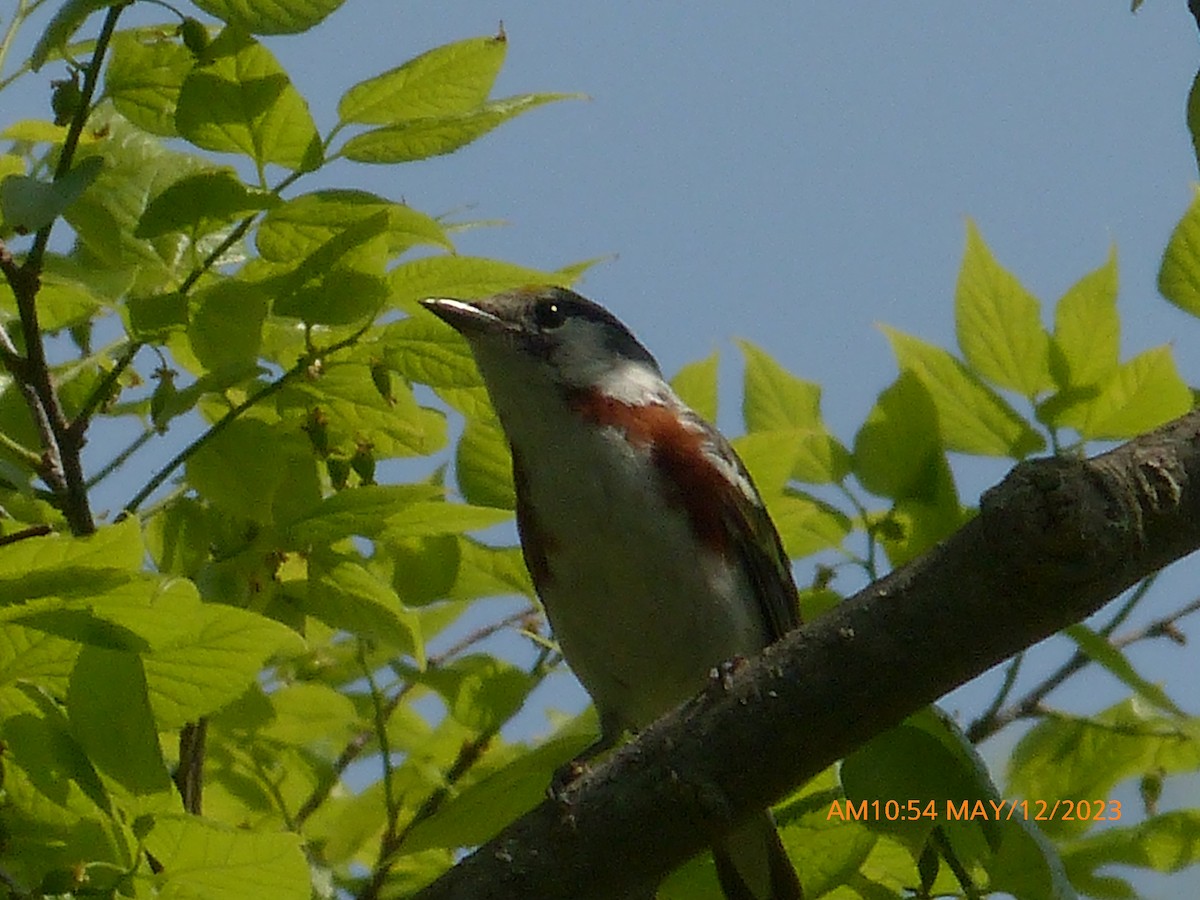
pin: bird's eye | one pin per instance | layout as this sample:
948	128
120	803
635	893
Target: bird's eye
549	315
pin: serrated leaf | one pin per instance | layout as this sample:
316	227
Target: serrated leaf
1179	274
1087	329
972	418
775	399
454	78
29	205
298	227
357	414
243	468
1099	650
998	322
483	465
66	21
362	511
805	524
202	858
116	548
225	323
341	281
459	276
110	716
1142	394
212	661
898	447
423	350
201	203
238	99
696	385
438	135
1064	757
276	17
1166	843
345	595
143	78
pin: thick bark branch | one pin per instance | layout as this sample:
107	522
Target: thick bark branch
1055	541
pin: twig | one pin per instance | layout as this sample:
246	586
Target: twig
100	394
360	741
296	371
31	531
1031	703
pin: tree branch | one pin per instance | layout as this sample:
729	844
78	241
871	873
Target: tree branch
1055	541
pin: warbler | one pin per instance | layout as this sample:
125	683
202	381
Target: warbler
647	541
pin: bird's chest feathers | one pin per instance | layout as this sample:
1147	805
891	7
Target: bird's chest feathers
642	604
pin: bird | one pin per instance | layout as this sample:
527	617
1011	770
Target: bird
647	542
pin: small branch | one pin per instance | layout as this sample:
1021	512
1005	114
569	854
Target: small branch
121	458
189	777
102	392
1030	703
296	371
360	741
31	531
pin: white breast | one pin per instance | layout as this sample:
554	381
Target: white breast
641	611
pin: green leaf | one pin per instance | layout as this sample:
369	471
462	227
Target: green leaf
805	524
136	167
66	22
339	282
972	418
143	79
112	548
915	524
898	451
1099	650
29	205
1084	759
110	716
244	467
202	858
459	276
1179	275
769	456
357	415
238	99
999	323
455	78
277	17
696	385
362	511
438	135
210	662
422	349
152	317
476	813
226	322
483	465
775	399
201	203
482	692
1086	329
1166	843
294	229
1142	394
345	595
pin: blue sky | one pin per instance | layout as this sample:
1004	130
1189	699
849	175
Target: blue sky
795	173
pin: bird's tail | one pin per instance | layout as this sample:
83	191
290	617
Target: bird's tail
752	864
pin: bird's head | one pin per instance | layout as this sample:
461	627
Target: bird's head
543	340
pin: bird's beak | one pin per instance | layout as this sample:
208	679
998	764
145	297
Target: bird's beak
464	317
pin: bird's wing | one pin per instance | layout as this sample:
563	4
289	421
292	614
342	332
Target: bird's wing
758	547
